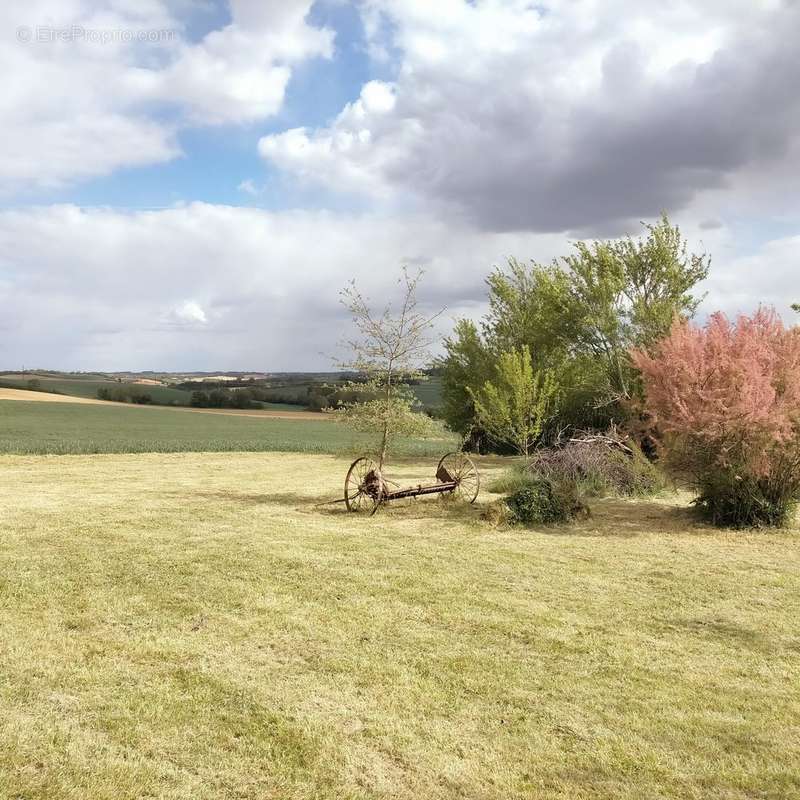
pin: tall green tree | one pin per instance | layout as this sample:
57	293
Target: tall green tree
580	316
468	364
625	294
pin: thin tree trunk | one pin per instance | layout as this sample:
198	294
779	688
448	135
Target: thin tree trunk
387	409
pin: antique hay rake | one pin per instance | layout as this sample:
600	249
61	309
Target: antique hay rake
366	489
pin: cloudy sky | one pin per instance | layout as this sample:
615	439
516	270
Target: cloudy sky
186	184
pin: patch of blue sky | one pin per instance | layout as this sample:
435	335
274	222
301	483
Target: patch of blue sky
216	160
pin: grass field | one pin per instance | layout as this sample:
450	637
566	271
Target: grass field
429	393
39	427
192	626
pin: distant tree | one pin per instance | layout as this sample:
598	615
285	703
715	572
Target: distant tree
515	407
242	399
389	347
218	398
141	398
199	399
796	307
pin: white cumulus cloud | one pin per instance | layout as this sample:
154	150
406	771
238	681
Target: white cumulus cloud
73	109
190	312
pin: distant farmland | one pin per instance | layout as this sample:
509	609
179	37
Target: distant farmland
290	393
54	428
80	386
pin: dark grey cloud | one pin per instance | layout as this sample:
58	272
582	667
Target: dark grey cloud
505	142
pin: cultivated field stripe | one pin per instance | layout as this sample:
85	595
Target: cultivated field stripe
47	397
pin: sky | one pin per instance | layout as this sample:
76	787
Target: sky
187	184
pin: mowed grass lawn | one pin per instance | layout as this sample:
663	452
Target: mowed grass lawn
193	626
43	428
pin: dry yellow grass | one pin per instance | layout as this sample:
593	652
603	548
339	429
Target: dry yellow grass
193	626
48	397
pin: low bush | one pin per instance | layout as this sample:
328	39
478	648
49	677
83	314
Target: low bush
544	501
737	501
512	479
600	465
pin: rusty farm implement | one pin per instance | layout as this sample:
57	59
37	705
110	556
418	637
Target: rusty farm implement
366	489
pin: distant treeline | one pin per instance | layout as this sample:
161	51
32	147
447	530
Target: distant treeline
314	397
247	393
125	394
32	385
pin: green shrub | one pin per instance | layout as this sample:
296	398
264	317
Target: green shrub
515	478
632	475
727	498
545	501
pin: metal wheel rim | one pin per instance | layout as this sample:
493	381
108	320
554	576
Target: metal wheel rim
355	498
465	473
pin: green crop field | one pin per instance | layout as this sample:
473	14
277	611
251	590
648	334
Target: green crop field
429	393
281	407
36	427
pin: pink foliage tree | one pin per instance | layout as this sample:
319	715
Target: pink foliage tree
726	398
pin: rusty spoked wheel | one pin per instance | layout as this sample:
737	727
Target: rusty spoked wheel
363	486
461	469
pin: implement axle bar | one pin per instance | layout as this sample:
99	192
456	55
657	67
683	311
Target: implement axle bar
416	491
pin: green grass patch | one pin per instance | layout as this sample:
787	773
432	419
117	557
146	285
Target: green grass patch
429	393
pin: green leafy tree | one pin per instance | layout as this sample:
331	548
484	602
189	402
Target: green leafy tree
468	364
580	316
389	349
625	295
515	407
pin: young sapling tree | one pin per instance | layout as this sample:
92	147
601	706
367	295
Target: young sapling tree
389	349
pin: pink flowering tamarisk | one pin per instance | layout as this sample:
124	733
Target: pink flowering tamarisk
726	398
